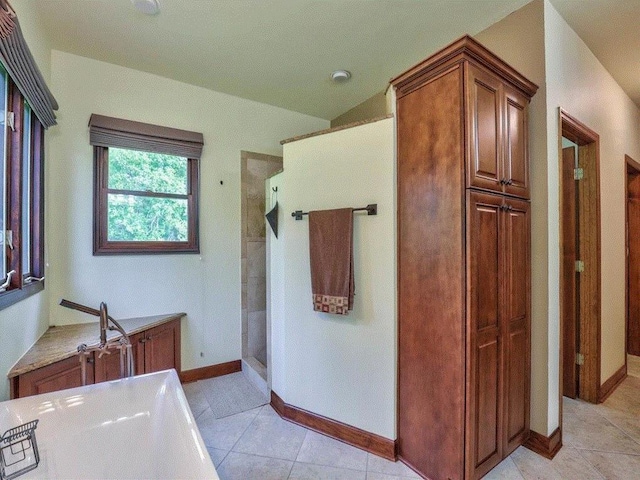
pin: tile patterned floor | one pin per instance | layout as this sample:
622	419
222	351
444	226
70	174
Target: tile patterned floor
600	442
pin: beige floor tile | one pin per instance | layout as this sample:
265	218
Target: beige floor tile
239	466
306	471
567	464
380	465
505	470
587	429
322	450
223	433
217	455
270	436
196	398
614	466
384	476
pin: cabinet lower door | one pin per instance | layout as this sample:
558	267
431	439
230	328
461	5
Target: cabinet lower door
162	348
484	441
57	376
516	324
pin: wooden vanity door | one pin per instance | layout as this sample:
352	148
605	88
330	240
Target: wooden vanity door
516	324
484	379
484	130
516	155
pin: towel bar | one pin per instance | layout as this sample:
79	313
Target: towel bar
371	209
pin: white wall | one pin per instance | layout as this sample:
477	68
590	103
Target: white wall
206	286
579	84
23	323
341	367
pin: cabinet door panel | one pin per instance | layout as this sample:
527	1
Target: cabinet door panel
161	348
516	325
57	376
484	130
517	151
484	260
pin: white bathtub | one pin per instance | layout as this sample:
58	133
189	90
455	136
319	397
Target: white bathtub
136	428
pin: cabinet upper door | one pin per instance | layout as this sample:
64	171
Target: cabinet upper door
516	158
484	130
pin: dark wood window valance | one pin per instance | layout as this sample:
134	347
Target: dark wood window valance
22	68
116	132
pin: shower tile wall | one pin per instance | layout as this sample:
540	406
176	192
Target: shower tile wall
256	168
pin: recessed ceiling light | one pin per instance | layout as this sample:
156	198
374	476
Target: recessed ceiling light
340	76
148	7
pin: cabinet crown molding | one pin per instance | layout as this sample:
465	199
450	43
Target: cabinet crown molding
465	48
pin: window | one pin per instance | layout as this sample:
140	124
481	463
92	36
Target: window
21	196
146	188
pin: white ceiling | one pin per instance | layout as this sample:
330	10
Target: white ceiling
279	52
611	29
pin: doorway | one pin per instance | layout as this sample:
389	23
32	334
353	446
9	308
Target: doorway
580	260
633	259
256	168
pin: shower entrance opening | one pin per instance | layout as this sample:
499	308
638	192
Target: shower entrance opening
256	168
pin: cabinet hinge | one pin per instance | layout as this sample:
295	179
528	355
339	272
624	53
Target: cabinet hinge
579	359
579	266
578	173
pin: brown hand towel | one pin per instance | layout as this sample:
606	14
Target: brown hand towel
331	253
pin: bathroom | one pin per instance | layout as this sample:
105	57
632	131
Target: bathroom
311	364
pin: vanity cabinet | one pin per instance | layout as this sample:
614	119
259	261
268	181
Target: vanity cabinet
154	349
463	262
56	376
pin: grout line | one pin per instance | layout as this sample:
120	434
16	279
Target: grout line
306	434
612	452
516	465
589	463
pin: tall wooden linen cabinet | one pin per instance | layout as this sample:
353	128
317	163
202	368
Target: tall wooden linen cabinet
463	262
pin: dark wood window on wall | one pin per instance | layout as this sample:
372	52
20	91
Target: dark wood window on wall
145	187
22	194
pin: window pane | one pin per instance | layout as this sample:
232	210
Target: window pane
144	171
146	219
26	191
3	168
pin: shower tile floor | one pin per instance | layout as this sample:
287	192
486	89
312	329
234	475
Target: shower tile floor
600	442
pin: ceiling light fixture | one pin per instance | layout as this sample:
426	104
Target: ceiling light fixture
340	76
148	7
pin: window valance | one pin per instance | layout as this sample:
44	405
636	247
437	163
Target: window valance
22	68
116	132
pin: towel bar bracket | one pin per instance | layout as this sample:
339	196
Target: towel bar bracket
371	209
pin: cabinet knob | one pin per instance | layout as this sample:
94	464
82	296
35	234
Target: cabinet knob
503	181
142	340
509	182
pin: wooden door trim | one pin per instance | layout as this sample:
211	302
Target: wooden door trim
631	164
588	142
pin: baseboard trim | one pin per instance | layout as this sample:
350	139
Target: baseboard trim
210	371
548	447
608	387
371	442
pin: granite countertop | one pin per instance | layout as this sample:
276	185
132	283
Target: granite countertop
60	342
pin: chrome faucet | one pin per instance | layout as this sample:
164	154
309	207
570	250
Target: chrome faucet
123	344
